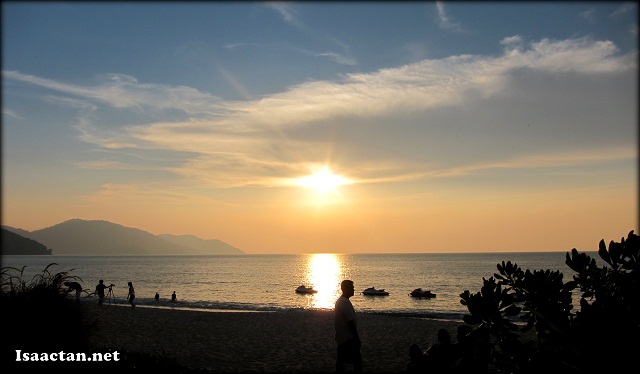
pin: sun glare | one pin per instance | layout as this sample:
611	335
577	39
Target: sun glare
323	181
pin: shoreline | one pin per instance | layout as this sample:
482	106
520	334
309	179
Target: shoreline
294	341
450	316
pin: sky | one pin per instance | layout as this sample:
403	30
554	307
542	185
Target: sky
326	127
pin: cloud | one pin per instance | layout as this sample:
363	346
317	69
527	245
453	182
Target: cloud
125	92
444	21
588	14
153	195
579	55
333	56
286	11
416	86
11	113
548	161
515	40
109	165
290	16
263	142
625	8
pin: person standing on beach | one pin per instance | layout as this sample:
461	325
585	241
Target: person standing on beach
173	296
132	295
100	291
346	334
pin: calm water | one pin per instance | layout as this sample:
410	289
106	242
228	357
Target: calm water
267	282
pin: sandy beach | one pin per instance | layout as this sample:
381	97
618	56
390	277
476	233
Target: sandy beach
298	341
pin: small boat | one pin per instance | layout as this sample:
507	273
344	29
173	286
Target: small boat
419	292
304	289
371	291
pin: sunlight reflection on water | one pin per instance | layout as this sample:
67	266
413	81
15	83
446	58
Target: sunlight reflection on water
324	273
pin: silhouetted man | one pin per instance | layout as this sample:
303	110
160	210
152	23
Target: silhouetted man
100	291
347	336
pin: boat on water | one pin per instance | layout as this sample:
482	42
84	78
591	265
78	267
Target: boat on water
419	292
371	291
304	289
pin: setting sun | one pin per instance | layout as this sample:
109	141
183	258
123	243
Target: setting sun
323	181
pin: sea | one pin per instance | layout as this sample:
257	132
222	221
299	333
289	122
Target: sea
267	283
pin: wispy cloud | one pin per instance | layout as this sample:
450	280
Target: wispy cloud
147	194
444	21
11	113
287	12
124	91
332	56
624	9
588	14
291	16
563	160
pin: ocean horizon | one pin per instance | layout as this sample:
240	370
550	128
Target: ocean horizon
259	282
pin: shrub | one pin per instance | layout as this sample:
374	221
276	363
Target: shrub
601	335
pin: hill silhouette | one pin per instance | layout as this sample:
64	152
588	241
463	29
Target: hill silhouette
96	237
16	244
211	245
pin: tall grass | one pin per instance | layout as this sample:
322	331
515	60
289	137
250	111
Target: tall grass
38	312
45	283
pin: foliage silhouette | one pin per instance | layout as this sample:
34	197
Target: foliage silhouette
529	314
40	309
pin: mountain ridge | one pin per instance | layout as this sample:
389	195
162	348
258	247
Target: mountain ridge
17	244
99	237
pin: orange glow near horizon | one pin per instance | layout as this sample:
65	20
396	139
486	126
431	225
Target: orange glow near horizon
360	218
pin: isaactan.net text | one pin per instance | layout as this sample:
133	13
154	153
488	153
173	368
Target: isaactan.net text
66	356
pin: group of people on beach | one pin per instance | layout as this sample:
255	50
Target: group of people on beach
174	298
444	356
100	291
131	295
